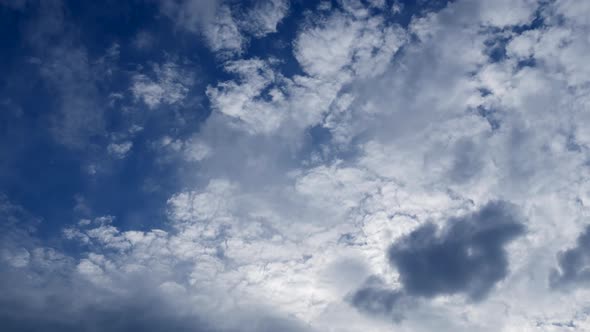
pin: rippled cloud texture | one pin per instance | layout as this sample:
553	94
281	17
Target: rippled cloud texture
276	165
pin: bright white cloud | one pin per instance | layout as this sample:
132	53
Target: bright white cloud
242	99
333	51
342	42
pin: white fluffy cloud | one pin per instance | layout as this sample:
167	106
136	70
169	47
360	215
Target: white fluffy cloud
342	42
333	50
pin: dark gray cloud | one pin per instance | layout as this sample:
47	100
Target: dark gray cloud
467	256
375	298
34	299
574	264
58	310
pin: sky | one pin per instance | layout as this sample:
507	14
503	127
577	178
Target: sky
294	165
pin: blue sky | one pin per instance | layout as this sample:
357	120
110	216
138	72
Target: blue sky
290	165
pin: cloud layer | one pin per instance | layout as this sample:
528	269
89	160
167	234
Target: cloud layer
273	165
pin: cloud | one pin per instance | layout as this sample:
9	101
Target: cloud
342	42
506	13
190	14
211	18
574	264
263	18
114	314
332	50
378	299
195	150
144	40
468	257
467	162
384	157
119	150
409	116
169	84
223	35
79	117
36	298
242	99
17	234
122	281
225	25
74	76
